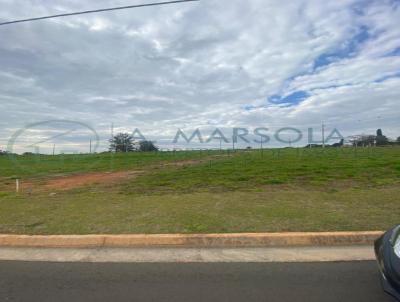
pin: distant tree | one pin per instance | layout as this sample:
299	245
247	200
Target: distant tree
147	146
339	144
381	140
122	142
28	154
362	140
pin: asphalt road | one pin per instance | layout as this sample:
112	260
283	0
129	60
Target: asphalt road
178	282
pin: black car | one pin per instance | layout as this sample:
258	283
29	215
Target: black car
387	250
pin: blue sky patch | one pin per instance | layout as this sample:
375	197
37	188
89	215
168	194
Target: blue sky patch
395	52
294	98
249	107
391	76
347	51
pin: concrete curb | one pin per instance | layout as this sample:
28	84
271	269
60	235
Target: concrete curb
190	255
192	240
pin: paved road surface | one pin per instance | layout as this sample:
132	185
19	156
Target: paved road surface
178	282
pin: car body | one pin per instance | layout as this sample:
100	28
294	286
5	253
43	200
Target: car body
387	251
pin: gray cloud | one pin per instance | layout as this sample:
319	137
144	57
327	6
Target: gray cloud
208	64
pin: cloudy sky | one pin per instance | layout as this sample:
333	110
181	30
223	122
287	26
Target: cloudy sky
207	64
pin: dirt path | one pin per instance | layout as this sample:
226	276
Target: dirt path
80	180
68	182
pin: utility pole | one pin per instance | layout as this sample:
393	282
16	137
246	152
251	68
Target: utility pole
112	151
323	135
112	136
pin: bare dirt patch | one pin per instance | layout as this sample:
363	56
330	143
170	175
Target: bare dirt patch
74	181
69	182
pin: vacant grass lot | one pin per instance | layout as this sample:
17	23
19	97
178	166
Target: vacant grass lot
202	192
35	166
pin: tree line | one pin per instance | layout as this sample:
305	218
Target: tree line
124	142
373	140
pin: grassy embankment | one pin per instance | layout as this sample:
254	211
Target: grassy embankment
197	192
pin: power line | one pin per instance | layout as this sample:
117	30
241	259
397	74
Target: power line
96	11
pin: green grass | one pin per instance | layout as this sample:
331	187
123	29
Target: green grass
46	165
295	167
273	190
83	212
